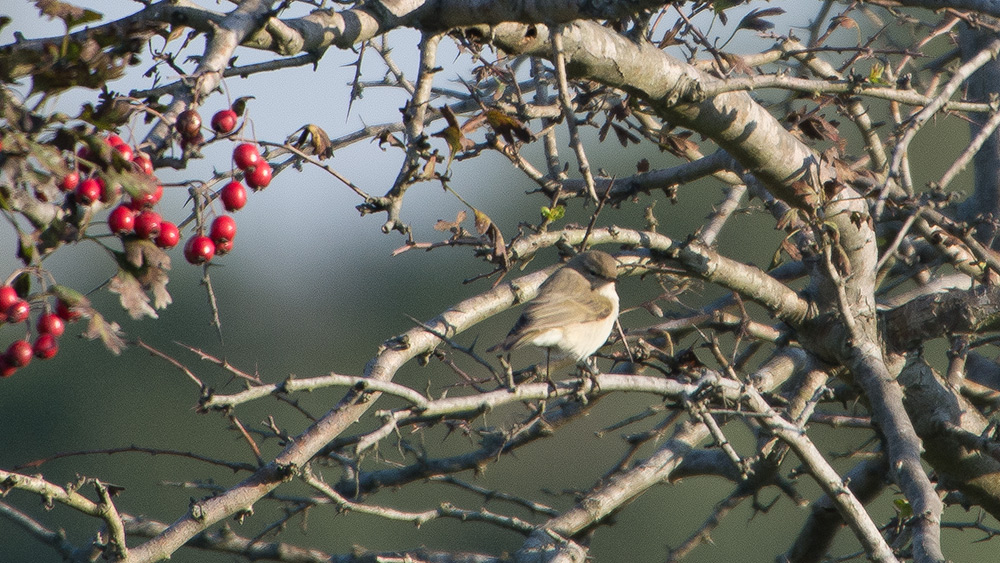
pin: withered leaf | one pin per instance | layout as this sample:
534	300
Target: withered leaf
133	299
72	15
624	135
240	104
385	137
453	135
499	246
642	166
432	160
108	333
843	21
508	126
483	221
670	37
840	261
755	19
314	140
679	144
453	226
736	63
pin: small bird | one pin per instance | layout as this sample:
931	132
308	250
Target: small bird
574	311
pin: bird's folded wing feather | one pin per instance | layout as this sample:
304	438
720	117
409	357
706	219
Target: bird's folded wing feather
555	310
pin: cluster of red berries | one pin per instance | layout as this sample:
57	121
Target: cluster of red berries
90	187
257	173
50	326
135	216
189	124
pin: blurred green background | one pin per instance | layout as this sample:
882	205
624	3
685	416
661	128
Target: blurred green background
311	288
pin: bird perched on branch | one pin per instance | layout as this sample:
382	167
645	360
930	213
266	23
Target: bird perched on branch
574	311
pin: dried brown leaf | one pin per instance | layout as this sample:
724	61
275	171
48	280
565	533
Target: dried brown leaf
108	333
679	144
453	226
508	126
133	298
314	140
483	221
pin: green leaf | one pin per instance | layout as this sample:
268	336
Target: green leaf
553	213
875	74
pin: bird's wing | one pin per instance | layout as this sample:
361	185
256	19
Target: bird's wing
554	310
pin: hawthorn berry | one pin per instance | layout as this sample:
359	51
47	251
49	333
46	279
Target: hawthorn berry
125	150
195	141
188	123
46	346
114	140
19	353
245	155
8	296
147	224
70	181
148	199
233	196
224	121
223	247
259	176
51	323
19	311
143	163
223	229
169	235
121	221
83	154
6	368
66	312
88	191
199	249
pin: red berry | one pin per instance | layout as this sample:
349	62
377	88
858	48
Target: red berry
233	196
245	155
19	353
144	163
188	123
224	121
169	235
114	140
124	150
6	368
199	249
51	323
196	141
70	181
148	199
8	296
122	220
147	224
46	346
223	247
83	153
19	311
88	191
67	313
259	176
223	229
